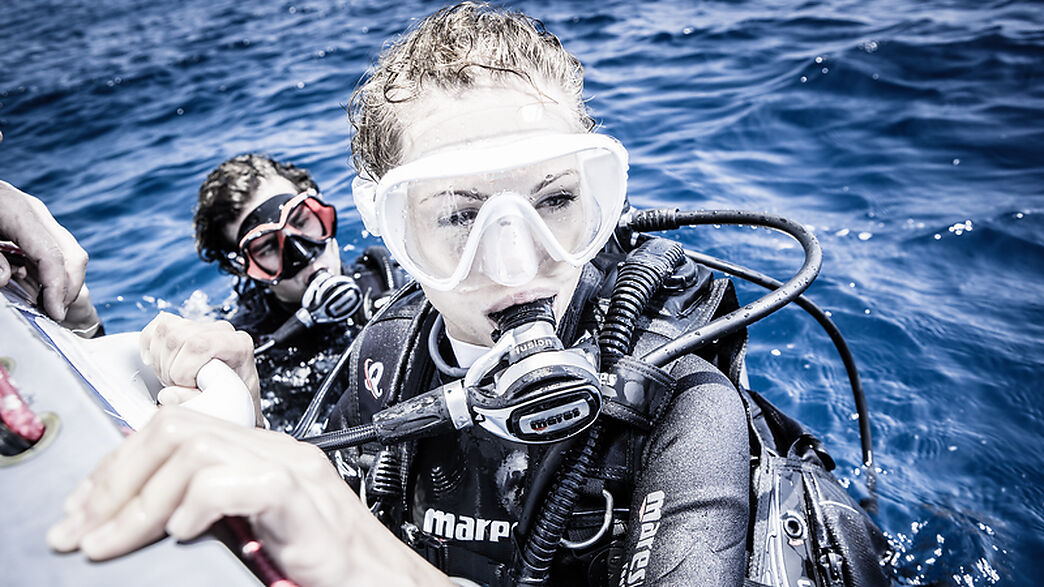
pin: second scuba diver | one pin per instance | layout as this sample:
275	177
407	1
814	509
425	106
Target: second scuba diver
503	417
265	221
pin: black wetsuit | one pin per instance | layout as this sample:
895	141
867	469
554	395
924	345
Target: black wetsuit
681	491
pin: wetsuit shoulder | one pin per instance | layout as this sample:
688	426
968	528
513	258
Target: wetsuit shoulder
690	507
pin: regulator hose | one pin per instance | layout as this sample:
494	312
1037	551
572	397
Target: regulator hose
382	258
533	565
641	276
757	278
781	294
339	439
311	413
384	476
666	219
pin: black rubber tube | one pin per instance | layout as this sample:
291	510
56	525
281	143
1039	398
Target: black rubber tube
640	276
865	437
339	439
392	278
774	300
534	563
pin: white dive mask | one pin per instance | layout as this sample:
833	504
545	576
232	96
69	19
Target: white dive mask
500	206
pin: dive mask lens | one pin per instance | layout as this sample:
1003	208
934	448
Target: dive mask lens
502	207
285	233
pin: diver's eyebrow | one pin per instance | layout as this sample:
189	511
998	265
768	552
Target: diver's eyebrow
552	179
470	195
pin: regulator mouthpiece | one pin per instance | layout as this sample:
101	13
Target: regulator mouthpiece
541	392
519	314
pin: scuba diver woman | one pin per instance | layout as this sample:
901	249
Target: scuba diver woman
265	222
558	398
478	169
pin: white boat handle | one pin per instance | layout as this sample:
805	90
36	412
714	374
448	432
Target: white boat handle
223	394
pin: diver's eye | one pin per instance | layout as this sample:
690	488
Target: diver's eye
300	217
556	201
262	247
459	218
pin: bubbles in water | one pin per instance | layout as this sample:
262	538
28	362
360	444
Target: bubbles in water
937	236
804	79
688	30
300	85
865	236
180	111
961	227
842	232
869	46
825	70
876	76
775	352
819	59
197	307
956	162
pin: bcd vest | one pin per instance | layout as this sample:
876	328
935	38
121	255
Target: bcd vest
803	525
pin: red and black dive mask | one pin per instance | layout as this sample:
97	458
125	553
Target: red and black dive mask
284	234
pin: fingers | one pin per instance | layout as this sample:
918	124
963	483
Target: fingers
177	348
5	271
59	261
130	494
175	396
200	469
184	471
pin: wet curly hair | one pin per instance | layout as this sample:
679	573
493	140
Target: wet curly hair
454	48
225	192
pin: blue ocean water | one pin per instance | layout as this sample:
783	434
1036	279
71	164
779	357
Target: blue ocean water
908	134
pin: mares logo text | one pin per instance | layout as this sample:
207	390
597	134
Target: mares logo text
649	518
464	528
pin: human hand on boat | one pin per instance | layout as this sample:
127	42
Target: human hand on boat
177	348
185	470
55	262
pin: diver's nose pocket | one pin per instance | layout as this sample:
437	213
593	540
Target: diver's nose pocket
507	254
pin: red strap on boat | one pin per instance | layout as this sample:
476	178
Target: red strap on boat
16	414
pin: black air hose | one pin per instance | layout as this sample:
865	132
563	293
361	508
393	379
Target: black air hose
640	277
339	439
667	219
311	413
383	480
544	539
